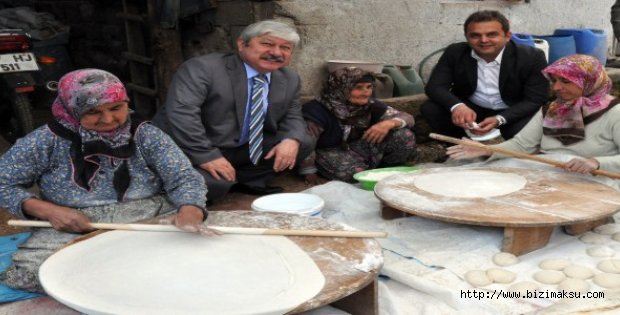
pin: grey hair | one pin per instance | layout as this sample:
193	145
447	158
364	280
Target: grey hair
270	27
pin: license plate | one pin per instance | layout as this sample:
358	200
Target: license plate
18	62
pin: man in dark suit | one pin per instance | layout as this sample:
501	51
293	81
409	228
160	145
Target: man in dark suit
488	80
207	111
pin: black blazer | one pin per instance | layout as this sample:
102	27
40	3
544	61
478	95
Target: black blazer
521	82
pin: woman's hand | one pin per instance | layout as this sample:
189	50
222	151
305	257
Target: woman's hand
582	165
62	218
460	152
377	132
190	218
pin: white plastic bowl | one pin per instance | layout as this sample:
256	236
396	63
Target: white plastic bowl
297	203
372	66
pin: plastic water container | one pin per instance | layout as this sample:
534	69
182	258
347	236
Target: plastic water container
542	45
523	39
588	41
559	46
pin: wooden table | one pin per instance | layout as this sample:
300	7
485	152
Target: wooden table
527	216
346	287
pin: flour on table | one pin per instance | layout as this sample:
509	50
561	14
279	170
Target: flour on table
594	238
600	251
616	237
574	285
607	229
470	183
607	280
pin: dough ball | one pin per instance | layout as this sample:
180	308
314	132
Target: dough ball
616	237
554	264
607	229
607	280
593	238
549	276
477	278
609	265
578	272
574	285
523	286
505	259
600	251
498	275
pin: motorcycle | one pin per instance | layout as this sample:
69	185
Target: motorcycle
18	66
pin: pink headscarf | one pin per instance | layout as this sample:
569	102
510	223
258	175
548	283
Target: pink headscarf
82	90
566	120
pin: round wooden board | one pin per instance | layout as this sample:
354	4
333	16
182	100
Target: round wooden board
548	198
339	259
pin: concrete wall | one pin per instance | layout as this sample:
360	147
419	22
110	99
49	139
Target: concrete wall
403	32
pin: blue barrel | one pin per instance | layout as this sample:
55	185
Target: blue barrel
559	46
588	41
523	39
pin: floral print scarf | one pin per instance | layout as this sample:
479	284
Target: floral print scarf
78	92
335	96
565	120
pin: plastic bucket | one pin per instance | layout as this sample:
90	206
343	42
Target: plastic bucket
559	46
588	41
523	39
542	45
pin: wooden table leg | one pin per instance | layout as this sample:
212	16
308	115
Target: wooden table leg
521	240
575	229
389	213
362	302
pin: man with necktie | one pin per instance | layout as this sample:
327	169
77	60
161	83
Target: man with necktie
237	115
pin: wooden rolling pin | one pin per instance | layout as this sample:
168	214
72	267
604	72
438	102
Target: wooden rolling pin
515	154
223	229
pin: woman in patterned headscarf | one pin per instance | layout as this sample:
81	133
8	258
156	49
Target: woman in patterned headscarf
352	130
582	123
93	164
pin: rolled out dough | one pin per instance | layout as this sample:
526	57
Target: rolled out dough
124	272
470	183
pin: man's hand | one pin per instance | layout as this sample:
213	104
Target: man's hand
377	132
463	115
582	165
285	154
220	167
485	126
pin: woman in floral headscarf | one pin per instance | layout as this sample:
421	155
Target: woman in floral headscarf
580	127
353	131
93	164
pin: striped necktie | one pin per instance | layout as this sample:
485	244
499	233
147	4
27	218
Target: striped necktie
257	118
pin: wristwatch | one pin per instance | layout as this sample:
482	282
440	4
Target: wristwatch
500	120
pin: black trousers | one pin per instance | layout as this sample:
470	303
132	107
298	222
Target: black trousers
440	120
246	172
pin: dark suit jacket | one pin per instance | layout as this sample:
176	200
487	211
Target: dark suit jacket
521	83
206	104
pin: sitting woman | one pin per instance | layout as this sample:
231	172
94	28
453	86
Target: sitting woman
581	127
352	131
93	164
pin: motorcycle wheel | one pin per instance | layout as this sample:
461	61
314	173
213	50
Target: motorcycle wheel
22	121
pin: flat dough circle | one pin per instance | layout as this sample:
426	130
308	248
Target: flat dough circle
505	259
549	276
124	272
477	278
470	184
607	280
578	272
609	265
554	264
